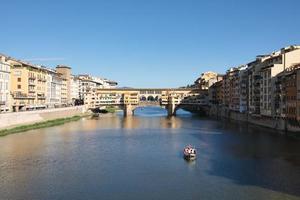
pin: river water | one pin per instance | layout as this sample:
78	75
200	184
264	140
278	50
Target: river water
140	157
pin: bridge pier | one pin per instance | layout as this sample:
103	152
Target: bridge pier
171	109
128	110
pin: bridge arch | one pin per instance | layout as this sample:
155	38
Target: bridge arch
143	98
150	98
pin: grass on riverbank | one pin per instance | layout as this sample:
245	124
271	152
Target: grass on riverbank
111	109
39	125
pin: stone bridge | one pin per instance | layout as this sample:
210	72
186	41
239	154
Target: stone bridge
129	99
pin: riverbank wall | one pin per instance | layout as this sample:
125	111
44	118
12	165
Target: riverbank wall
268	122
10	120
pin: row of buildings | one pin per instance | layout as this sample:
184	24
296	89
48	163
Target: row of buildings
25	86
268	86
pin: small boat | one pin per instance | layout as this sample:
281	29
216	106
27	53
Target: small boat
189	153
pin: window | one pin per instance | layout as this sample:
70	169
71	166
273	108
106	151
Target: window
19	86
19	79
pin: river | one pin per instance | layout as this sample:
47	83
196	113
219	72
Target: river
140	157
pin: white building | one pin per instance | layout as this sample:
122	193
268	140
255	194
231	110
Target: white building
75	85
272	65
88	83
5	99
105	83
54	85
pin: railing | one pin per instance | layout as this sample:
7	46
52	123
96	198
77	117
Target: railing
41	97
19	95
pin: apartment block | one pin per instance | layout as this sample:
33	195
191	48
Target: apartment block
207	79
271	66
231	89
298	93
88	83
5	98
292	93
254	78
28	86
65	73
215	93
235	91
75	85
105	83
243	89
54	85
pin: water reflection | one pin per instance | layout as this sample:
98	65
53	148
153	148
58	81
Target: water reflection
140	157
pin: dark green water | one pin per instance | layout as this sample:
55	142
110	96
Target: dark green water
140	157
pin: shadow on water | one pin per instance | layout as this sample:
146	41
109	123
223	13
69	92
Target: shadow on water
255	156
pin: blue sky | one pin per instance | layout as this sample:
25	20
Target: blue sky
147	43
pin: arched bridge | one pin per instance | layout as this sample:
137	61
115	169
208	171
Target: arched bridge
129	99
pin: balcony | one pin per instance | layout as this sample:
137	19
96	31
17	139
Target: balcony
31	77
2	103
31	96
257	77
31	90
20	103
20	95
31	83
41	97
41	79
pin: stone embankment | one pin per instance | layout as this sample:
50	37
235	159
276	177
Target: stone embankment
274	123
10	120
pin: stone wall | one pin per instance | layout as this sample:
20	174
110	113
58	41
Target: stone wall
8	120
274	123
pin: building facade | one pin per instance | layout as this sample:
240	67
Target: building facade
207	79
5	98
88	83
75	85
235	89
54	85
231	89
215	93
271	66
28	86
291	84
65	73
243	89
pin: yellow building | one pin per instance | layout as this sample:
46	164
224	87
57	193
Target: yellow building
97	98
131	98
28	86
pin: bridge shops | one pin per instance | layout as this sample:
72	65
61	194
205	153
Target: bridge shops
130	99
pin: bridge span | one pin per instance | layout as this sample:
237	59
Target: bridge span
128	99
